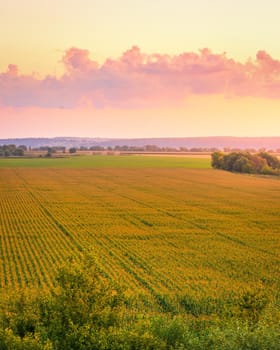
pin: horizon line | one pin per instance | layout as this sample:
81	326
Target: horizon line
134	138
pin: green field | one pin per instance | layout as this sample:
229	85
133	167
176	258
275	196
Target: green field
180	239
98	161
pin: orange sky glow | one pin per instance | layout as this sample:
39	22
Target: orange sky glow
101	70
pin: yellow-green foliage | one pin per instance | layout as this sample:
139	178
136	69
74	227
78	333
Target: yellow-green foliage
87	312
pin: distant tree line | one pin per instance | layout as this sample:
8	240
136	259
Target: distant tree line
146	148
12	151
155	148
53	149
245	162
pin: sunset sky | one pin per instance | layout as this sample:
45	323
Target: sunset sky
149	68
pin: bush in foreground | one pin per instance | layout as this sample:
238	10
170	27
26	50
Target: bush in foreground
86	312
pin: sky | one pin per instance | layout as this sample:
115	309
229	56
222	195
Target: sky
149	68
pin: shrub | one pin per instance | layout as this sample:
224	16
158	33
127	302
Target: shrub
86	312
245	162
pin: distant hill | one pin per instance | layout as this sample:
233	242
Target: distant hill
175	142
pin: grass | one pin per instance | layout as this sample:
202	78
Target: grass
98	161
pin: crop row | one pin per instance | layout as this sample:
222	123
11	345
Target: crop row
160	233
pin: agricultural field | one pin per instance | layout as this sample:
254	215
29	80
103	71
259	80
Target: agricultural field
107	161
177	237
184	256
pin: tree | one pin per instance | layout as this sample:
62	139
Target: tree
49	152
72	150
82	308
245	162
271	160
217	160
11	150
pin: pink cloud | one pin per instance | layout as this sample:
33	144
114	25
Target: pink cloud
268	64
138	80
12	70
78	60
